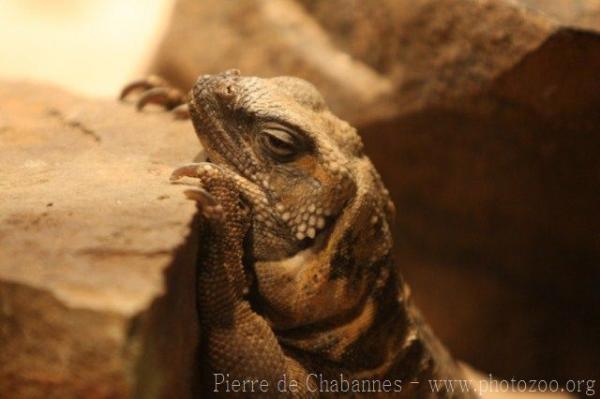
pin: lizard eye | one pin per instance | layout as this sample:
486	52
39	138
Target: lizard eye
279	142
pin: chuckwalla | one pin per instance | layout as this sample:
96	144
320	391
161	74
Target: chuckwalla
298	293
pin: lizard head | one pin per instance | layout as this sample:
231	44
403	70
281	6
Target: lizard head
294	159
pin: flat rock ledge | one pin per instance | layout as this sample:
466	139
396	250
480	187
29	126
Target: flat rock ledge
97	249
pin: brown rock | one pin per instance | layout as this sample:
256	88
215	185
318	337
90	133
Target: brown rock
433	51
96	249
370	59
267	38
576	13
497	198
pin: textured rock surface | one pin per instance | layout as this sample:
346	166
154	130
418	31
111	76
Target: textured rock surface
497	193
267	38
91	234
581	14
483	118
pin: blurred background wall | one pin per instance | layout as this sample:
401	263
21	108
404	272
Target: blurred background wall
88	46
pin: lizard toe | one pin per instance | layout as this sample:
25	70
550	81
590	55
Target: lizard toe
208	204
168	98
147	83
156	90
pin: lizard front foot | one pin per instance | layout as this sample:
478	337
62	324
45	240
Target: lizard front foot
216	192
156	90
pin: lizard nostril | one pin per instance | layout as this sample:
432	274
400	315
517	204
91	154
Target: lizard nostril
226	90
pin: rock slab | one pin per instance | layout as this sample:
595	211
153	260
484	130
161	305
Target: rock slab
97	248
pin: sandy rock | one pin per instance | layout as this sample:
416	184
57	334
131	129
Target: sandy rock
96	248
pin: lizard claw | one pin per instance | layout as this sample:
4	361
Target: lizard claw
181	111
217	194
156	90
209	206
207	202
189	170
166	97
150	82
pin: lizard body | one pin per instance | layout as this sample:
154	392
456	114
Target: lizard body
296	279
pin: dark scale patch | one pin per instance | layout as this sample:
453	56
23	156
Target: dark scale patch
343	263
323	326
387	280
326	343
372	348
407	367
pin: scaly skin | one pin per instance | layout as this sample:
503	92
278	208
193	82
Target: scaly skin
296	277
